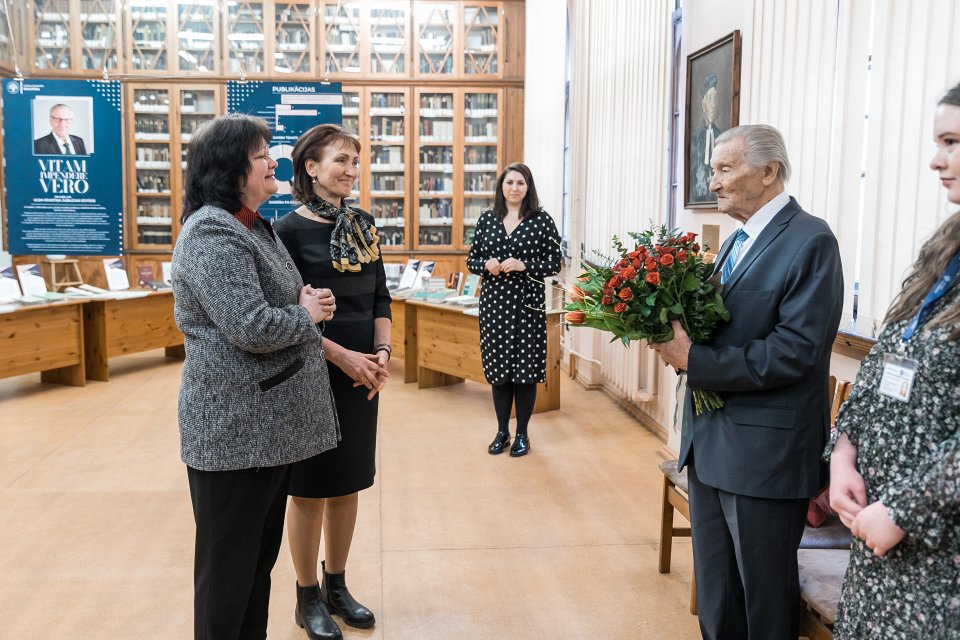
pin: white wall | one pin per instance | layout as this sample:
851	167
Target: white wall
544	100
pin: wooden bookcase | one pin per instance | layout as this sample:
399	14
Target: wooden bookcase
160	118
433	89
76	35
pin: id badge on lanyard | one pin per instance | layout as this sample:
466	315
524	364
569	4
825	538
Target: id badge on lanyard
899	373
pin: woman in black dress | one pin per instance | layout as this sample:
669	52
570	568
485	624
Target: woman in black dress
338	246
515	247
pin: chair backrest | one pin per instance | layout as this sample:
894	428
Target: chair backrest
832	389
844	387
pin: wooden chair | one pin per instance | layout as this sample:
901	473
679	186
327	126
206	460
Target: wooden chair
674	499
823	557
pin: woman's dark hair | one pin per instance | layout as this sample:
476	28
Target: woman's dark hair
218	161
530	204
310	147
935	255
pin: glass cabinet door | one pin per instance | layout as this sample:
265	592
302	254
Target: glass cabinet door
100	34
196	107
388	164
435	28
480	40
351	111
52	43
434	175
196	36
480	157
388	23
151	161
6	44
341	38
293	37
246	43
147	46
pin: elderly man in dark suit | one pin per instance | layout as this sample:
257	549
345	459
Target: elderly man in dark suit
60	141
754	463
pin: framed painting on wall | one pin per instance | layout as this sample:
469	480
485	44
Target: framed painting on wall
713	106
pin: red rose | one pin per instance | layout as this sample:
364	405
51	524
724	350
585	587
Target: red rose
653	278
607	300
626	293
576	317
691	236
633	255
615	281
623	262
650	264
636	263
620	307
576	294
666	260
696	247
682	255
609	291
629	273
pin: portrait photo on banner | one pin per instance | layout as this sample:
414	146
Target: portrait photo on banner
713	106
62	125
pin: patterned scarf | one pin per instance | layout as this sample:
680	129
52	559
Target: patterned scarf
353	241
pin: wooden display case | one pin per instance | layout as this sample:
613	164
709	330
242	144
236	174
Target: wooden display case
436	42
7	54
264	38
161	117
385	175
180	36
459	136
71	36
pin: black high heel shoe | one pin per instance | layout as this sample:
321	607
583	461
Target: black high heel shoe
499	443
521	446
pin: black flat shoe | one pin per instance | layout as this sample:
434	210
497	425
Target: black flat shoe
499	443
521	446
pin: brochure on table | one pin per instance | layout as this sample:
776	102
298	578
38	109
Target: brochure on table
409	278
116	274
9	287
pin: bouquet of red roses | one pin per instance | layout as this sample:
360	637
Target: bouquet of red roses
663	278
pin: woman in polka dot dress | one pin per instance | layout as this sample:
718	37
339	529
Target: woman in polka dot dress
515	247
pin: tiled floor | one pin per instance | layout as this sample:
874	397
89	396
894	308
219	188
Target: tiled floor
96	532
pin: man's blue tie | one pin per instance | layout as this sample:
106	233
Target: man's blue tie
732	256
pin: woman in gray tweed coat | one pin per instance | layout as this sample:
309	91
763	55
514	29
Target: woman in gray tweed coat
255	395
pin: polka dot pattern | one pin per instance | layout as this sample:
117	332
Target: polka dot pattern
513	326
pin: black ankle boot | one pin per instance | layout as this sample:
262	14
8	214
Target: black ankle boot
312	615
499	443
521	446
334	592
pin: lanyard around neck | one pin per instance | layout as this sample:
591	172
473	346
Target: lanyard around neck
939	290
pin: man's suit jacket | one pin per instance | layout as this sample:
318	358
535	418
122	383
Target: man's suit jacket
770	364
48	146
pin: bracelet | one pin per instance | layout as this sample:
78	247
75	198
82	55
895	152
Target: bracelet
384	347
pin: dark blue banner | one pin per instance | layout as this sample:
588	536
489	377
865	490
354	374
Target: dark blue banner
290	109
64	166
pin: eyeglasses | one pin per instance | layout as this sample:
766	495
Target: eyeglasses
61	119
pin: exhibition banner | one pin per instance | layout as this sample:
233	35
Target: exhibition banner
63	166
290	109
